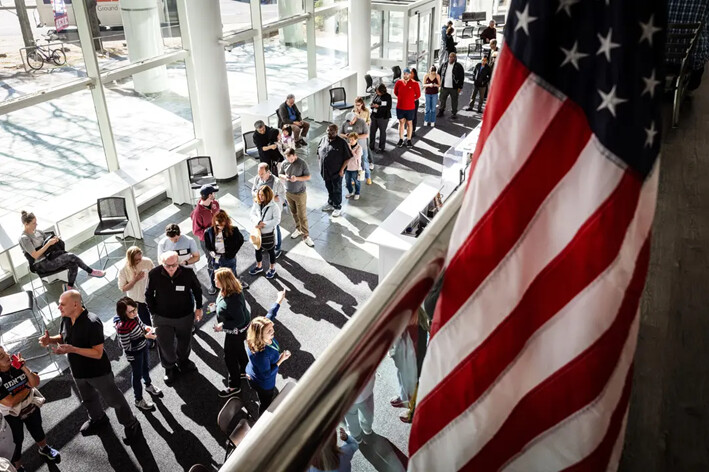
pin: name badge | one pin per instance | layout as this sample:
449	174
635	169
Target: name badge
179	288
183	252
384	103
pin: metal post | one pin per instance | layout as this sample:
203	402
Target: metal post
92	71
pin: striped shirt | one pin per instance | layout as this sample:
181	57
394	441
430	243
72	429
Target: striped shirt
131	334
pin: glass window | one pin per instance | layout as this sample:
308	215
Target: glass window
394	43
241	74
377	23
161	119
273	10
331	41
286	58
236	15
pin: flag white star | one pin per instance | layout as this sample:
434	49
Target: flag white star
650	135
650	85
572	56
566	6
649	29
607	44
523	19
609	101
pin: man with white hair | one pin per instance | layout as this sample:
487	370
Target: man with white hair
81	339
288	114
171	295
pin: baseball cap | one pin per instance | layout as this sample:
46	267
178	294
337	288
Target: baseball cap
407	71
207	189
350	116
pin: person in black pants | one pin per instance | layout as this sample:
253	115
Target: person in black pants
233	319
266	141
333	153
452	78
381	114
415	78
18	404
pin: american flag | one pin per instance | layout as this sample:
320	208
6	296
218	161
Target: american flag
530	360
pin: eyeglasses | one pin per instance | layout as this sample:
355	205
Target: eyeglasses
170	266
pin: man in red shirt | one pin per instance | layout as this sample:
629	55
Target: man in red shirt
407	92
202	215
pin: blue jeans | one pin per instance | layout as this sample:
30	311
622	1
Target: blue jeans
141	369
224	262
278	240
351	176
365	163
431	102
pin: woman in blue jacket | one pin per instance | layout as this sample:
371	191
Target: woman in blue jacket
264	355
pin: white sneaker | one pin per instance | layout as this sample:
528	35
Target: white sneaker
328	207
356	197
349	195
309	242
153	390
295	234
145	405
336	213
433	125
371	167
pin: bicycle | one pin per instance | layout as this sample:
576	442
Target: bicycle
44	54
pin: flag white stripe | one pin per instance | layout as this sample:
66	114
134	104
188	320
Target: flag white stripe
592	174
525	119
578	436
614	461
560	340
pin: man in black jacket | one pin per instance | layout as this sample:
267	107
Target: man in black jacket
333	153
381	114
288	114
481	78
453	77
171	295
266	141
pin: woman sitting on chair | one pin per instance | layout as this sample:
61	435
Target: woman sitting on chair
49	254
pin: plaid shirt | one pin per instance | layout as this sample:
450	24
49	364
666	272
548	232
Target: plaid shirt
691	11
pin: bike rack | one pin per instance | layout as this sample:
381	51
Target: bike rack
24	50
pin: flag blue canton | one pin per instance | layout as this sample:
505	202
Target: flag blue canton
607	57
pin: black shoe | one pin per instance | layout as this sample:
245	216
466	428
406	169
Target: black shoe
480	110
409	144
413	135
278	253
229	392
170	375
244	285
92	427
454	116
302	142
50	453
382	151
400	143
439	114
132	432
187	366
468	108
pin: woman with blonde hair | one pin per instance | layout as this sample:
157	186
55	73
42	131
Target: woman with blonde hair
133	280
361	110
264	355
333	458
265	215
233	318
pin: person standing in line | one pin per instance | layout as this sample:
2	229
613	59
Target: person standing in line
415	78
357	125
360	416
294	173
265	215
450	45
133	279
361	110
266	142
233	319
431	84
381	114
265	177
223	242
334	458
353	167
333	154
453	77
444	30
264	355
481	78
133	336
407	92
185	247
172	292
20	404
81	338
201	216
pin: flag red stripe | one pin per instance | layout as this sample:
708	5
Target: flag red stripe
598	459
500	97
503	224
594	247
572	387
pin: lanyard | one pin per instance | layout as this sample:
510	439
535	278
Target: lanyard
277	348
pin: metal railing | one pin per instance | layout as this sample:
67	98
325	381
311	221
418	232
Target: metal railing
288	440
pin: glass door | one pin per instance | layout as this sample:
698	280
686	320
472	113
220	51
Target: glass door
419	41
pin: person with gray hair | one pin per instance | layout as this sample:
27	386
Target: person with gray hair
171	295
81	339
288	114
266	142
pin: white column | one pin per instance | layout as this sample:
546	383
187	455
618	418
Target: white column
359	41
310	39
201	29
291	35
141	25
259	57
92	71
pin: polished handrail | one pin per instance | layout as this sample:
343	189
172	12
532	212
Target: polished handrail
288	440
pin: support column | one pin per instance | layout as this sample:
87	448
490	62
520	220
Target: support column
201	29
259	57
92	71
310	40
290	35
141	25
359	41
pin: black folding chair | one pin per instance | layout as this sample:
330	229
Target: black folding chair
200	171
370	83
338	99
232	421
113	220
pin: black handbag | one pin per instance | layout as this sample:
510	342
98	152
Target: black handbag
54	250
